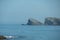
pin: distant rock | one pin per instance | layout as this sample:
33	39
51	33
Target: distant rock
32	21
52	21
23	24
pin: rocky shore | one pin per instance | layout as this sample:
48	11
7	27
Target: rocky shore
2	38
6	37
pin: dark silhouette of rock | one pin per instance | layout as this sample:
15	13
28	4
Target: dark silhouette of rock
32	21
6	37
52	21
2	37
23	24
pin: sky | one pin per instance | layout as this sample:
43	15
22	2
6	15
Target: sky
19	11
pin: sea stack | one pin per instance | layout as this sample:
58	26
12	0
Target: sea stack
52	21
32	21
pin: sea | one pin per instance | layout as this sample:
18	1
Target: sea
30	32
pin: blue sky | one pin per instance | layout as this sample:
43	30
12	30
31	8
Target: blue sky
19	11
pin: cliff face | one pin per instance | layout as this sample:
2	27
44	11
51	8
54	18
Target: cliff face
52	21
32	21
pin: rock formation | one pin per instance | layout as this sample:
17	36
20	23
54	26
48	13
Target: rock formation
2	37
32	21
6	37
52	21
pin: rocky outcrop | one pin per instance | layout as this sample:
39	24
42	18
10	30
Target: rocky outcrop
52	21
32	21
2	37
6	37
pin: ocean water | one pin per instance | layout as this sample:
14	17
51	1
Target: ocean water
26	32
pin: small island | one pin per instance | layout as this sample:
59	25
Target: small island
52	21
48	21
32	21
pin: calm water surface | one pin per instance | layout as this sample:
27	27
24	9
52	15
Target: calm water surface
26	32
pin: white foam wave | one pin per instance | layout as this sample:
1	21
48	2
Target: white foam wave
8	37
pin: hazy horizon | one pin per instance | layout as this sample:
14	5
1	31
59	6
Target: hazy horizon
19	11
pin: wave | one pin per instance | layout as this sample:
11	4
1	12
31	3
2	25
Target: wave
13	37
